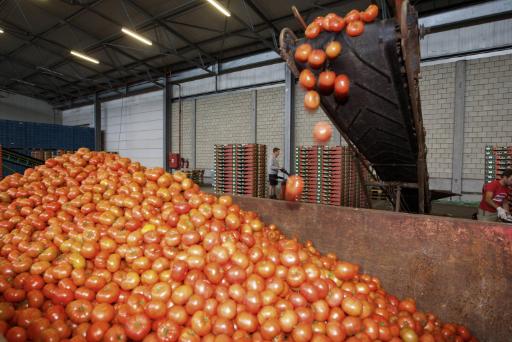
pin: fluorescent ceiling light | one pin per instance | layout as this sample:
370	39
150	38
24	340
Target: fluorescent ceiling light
221	8
85	57
136	36
1	31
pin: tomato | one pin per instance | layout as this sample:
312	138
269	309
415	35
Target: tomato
333	49
408	335
307	79
102	312
370	13
336	24
316	58
352	16
313	30
341	86
302	332
97	331
294	186
115	333
312	100
302	52
326	82
322	132
137	327
355	28
79	311
16	334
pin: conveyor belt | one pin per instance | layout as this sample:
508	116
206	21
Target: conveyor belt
11	157
381	117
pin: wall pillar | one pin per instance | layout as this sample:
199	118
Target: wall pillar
458	126
167	121
254	117
98	143
289	121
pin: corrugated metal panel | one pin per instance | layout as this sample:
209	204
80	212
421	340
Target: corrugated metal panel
134	127
469	39
78	116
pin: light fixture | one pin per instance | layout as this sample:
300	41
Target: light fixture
1	31
221	8
136	36
85	57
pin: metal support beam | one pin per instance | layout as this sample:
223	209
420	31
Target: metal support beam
193	135
254	117
289	121
98	144
458	126
167	121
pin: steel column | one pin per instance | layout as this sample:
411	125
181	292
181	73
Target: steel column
194	129
98	144
167	121
458	126
289	120
254	117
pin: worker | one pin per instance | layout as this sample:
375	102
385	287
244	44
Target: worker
495	198
273	171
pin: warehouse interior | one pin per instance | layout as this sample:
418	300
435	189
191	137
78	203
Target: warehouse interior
212	87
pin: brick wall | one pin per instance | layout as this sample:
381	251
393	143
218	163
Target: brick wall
305	121
270	118
488	118
186	125
221	119
437	89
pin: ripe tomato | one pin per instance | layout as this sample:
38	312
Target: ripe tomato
311	100
137	327
341	86
294	187
333	49
336	24
79	311
326	82
355	28
302	52
322	132
352	16
316	58
307	79
313	30
370	13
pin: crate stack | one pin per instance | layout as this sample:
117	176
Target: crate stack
330	176
497	159
240	169
197	175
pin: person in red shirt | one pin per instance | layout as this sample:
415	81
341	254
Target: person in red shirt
495	198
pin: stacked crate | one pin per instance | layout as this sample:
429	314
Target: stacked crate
330	176
197	175
240	169
497	159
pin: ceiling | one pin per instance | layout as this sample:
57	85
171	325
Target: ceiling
35	49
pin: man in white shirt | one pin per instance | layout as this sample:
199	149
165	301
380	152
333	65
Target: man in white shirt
273	170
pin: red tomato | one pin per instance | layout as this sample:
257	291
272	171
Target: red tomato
137	327
333	49
302	53
294	187
370	13
341	86
355	28
322	132
352	16
316	58
312	100
313	30
307	79
326	82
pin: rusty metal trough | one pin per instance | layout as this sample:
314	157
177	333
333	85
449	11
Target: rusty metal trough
461	270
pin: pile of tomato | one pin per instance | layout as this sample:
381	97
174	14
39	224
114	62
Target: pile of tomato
95	247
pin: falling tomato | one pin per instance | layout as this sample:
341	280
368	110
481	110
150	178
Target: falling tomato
294	187
307	79
352	16
313	30
312	100
322	132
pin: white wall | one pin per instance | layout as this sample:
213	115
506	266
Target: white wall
23	108
132	126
